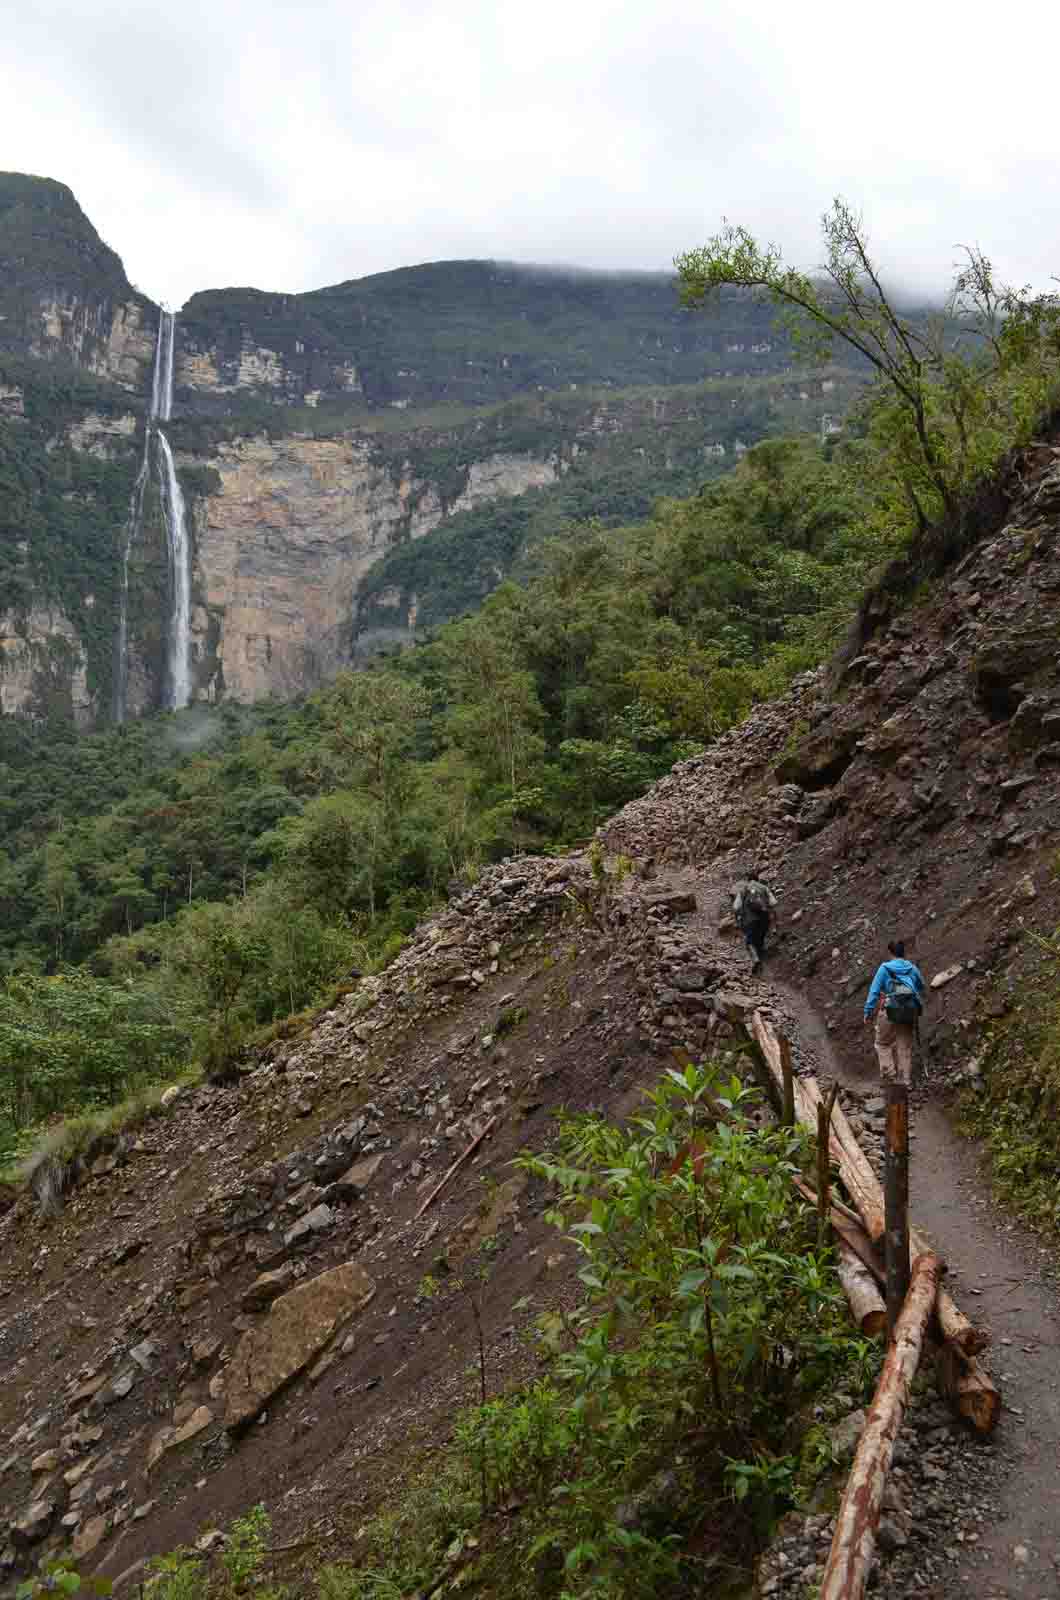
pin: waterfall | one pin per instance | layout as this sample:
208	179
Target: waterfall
178	687
179	578
178	663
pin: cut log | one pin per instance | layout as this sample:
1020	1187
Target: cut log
863	1295
850	1557
967	1387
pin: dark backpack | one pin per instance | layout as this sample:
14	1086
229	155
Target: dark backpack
755	899
903	1004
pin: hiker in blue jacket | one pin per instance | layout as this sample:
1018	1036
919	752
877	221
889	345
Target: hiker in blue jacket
895	999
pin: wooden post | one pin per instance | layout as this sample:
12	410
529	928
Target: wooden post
788	1112
850	1558
896	1201
824	1174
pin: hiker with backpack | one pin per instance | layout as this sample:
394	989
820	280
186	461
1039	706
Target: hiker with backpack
896	999
752	905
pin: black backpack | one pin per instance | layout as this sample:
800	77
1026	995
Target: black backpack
756	898
903	1004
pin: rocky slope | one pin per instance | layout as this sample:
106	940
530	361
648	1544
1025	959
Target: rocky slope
233	1304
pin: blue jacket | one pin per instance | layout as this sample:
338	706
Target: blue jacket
896	968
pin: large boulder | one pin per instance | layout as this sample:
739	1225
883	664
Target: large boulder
296	1329
33	1525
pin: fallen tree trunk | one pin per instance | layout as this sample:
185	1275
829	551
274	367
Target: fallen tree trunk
859	1286
850	1557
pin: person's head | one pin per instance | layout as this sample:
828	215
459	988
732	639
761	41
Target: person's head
897	947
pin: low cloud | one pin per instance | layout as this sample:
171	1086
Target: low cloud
251	142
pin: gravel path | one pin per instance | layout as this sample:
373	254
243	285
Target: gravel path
1005	1280
985	1516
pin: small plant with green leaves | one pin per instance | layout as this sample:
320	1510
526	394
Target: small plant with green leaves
1015	1108
58	1578
240	1570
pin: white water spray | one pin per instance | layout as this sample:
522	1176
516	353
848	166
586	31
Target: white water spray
180	580
178	663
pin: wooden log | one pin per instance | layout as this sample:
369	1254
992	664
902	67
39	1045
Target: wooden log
846	1573
860	1180
896	1202
964	1381
859	1285
967	1387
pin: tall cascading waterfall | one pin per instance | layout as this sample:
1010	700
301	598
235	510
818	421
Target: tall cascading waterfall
178	662
180	580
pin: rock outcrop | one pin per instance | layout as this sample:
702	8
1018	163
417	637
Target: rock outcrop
44	667
64	296
295	1331
281	546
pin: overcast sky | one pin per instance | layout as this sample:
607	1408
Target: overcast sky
294	145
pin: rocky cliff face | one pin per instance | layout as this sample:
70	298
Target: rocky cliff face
64	295
282	544
44	666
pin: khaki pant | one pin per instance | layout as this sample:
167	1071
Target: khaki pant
894	1048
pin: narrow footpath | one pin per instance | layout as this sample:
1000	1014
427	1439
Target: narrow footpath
996	1503
1005	1280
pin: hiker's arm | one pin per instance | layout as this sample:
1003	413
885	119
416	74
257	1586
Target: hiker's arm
873	994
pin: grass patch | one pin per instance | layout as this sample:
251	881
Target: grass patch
1017	1111
53	1160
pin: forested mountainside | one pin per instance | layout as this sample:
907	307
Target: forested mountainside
473	332
317	443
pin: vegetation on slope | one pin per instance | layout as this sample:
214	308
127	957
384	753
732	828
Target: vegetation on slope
476	332
1015	1103
49	248
63	511
678	1409
628	450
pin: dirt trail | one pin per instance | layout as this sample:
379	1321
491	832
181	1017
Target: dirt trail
1000	1274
